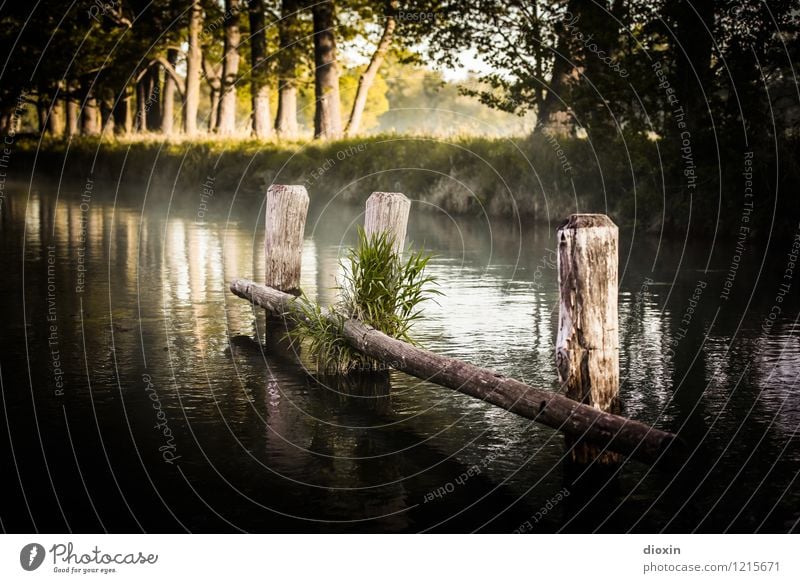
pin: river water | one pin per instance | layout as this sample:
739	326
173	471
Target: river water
138	394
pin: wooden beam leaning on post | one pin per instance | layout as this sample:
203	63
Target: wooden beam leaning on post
626	436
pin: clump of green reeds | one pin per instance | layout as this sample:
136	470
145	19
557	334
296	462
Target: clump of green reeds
380	287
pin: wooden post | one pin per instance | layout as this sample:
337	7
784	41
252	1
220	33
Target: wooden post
388	212
587	349
287	207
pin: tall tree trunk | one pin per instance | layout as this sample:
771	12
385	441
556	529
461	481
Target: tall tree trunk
90	113
107	113
214	112
262	126
539	63
123	120
90	117
212	76
154	94
226	118
194	58
553	115
141	104
328	116
55	121
42	106
693	26
168	102
73	108
286	120
368	76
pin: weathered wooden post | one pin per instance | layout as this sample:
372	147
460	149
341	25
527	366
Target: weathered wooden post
286	210
587	349
287	207
388	212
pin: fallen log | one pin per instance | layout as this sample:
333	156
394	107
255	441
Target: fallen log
626	436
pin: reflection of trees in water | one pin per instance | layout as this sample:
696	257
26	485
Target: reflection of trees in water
545	317
317	435
367	461
645	388
33	219
368	391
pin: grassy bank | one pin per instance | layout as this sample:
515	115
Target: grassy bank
635	180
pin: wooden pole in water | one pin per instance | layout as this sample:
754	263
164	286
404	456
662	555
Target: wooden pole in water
287	207
388	212
286	210
587	349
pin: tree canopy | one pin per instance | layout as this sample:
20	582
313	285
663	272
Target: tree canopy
600	68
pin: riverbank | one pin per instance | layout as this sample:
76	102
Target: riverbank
543	178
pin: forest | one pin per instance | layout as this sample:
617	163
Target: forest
606	89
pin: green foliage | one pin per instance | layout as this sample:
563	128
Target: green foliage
323	332
381	288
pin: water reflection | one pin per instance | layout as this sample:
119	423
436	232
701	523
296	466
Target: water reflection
264	445
644	349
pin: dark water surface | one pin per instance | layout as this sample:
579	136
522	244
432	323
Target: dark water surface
139	394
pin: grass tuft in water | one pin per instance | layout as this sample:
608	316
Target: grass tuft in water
381	288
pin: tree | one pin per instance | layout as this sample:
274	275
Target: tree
261	121
121	111
226	116
52	115
327	116
170	89
369	74
552	113
194	58
290	38
376	104
689	26
213	76
72	108
526	46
